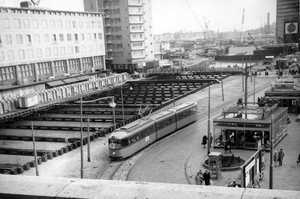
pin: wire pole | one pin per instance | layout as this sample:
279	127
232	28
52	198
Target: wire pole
271	154
89	140
254	88
222	86
81	140
122	104
34	151
208	123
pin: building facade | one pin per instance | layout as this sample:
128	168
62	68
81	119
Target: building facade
287	21
38	44
128	32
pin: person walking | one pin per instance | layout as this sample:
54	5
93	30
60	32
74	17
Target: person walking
197	179
298	159
201	177
204	141
211	139
280	157
275	157
206	177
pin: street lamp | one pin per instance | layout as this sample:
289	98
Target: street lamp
113	105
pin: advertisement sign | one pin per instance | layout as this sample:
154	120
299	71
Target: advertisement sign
291	28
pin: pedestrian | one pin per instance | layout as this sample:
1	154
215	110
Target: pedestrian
201	177
204	141
298	159
275	157
197	179
211	139
280	157
206	177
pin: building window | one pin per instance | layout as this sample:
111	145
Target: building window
88	24
2	58
21	54
99	35
119	54
101	48
95	48
17	23
82	36
74	24
48	52
37	38
81	24
68	24
28	37
61	37
70	50
54	38
30	53
45	24
55	51
46	38
52	24
69	37
99	24
89	37
76	37
11	54
0	41
90	48
35	24
8	39
93	24
19	39
118	37
76	49
62	50
6	23
39	52
119	46
115	2
95	36
83	49
59	24
26	23
117	20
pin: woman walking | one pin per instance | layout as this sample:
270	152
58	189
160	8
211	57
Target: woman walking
204	141
275	158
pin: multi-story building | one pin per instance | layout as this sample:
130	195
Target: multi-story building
287	21
36	44
128	32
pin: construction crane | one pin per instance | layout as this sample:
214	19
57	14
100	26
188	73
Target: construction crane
253	42
206	28
242	24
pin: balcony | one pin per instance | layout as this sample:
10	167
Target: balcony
108	33
109	58
137	39
138	57
107	25
136	22
135	3
138	48
108	41
136	13
106	16
137	30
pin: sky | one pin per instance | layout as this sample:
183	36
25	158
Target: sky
190	15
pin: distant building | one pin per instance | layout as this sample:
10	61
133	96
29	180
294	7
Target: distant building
128	32
287	21
36	44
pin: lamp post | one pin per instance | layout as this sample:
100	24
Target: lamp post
113	105
271	154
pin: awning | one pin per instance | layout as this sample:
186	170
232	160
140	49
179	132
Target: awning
55	83
71	80
83	78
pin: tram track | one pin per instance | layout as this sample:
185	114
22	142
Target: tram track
152	159
108	172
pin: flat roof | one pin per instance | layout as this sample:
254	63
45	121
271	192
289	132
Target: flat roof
251	117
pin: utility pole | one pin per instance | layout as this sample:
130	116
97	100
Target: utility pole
271	153
208	123
246	85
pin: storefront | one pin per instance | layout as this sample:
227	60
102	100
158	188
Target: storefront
246	127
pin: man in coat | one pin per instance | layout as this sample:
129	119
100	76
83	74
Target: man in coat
280	157
206	177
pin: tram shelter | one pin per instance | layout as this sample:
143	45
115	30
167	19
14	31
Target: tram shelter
287	93
249	127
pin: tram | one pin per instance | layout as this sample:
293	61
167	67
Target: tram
133	137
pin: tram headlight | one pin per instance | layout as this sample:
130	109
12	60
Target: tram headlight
113	153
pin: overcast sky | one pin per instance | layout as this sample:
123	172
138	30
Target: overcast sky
188	15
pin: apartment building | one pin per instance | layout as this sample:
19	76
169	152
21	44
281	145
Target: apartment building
128	32
38	44
287	21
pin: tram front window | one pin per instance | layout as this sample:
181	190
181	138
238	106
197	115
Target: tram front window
114	144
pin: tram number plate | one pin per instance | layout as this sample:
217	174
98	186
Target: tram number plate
147	138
